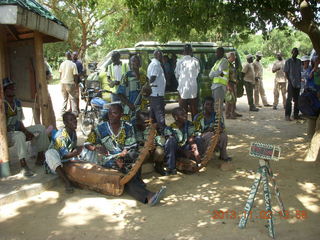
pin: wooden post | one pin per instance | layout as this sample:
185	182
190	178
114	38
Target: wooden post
46	112
4	151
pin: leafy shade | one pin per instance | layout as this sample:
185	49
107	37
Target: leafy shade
177	18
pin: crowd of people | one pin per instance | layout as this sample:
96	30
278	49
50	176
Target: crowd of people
115	142
293	78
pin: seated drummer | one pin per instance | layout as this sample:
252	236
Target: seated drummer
64	148
129	90
206	122
117	137
180	140
141	133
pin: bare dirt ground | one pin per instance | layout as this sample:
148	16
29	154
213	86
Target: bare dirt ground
187	210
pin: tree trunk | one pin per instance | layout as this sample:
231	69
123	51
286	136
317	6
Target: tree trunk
314	149
4	151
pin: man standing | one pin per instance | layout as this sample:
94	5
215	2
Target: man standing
220	75
131	92
115	71
158	83
231	88
292	69
80	73
187	71
280	81
258	88
248	75
305	72
68	75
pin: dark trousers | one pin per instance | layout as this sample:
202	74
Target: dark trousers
293	94
136	188
173	151
189	104
170	149
157	112
249	90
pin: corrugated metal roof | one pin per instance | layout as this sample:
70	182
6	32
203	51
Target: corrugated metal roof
33	6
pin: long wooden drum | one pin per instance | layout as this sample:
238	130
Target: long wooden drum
94	177
107	181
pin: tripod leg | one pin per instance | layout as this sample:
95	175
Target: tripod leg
276	189
267	200
249	203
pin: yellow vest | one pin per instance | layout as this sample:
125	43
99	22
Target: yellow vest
221	80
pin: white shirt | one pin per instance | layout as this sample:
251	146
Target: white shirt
117	69
186	72
68	69
155	69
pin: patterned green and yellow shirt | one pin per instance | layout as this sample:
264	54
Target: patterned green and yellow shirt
130	87
14	115
181	135
141	137
63	142
204	125
114	144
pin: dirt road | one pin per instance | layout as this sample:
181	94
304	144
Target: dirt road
189	207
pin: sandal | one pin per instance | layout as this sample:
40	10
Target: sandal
157	196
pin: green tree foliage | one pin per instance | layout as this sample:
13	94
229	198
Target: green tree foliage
85	20
276	41
95	28
177	18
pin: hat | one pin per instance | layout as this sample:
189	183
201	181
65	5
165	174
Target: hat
7	82
305	58
249	56
259	54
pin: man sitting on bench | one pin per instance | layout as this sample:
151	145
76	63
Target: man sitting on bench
18	134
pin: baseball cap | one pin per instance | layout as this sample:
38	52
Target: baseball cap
249	56
259	54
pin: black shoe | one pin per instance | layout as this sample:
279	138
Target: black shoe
274	108
254	109
26	172
237	114
170	172
160	170
228	159
268	105
298	118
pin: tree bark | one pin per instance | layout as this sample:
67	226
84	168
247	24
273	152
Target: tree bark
4	151
309	26
314	149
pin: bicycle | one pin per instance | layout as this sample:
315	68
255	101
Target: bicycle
94	111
